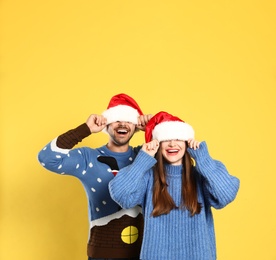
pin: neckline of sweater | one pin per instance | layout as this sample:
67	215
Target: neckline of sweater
173	170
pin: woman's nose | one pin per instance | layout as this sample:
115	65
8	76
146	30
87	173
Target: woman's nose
171	143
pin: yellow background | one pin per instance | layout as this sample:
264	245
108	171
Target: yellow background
212	63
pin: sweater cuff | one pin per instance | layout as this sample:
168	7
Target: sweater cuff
69	139
200	153
144	161
204	163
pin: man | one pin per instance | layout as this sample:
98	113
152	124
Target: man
114	233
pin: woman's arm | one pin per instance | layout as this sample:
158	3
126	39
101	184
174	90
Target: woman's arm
220	187
129	186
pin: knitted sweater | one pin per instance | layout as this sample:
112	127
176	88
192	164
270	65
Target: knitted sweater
93	168
176	235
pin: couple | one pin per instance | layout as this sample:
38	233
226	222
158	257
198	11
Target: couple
159	199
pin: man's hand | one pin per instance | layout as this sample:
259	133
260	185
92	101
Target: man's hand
96	123
142	121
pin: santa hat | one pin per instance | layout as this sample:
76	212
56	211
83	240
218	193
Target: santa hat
164	126
122	108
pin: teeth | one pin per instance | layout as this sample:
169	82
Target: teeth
122	131
172	151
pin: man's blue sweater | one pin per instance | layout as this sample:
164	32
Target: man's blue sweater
107	219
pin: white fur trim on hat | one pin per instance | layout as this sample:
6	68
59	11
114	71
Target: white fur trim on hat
173	130
121	113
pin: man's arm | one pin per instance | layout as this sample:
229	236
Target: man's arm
94	124
69	139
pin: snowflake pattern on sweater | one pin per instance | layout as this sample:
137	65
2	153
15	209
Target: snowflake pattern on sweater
105	215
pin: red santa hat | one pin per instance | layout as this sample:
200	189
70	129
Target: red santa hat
122	108
164	126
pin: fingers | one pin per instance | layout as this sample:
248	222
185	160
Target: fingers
100	120
142	121
193	144
151	147
96	123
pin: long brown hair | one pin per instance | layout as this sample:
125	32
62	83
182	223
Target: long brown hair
162	200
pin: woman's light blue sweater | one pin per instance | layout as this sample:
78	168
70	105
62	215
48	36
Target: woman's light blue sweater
177	235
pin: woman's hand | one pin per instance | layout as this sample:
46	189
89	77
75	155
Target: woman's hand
193	144
151	147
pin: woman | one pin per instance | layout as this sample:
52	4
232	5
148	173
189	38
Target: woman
176	195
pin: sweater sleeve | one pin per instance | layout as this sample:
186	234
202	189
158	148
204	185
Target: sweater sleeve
69	139
219	186
55	155
128	188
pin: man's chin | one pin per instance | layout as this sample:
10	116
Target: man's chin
122	140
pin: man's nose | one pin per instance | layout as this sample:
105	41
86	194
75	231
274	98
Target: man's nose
122	123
